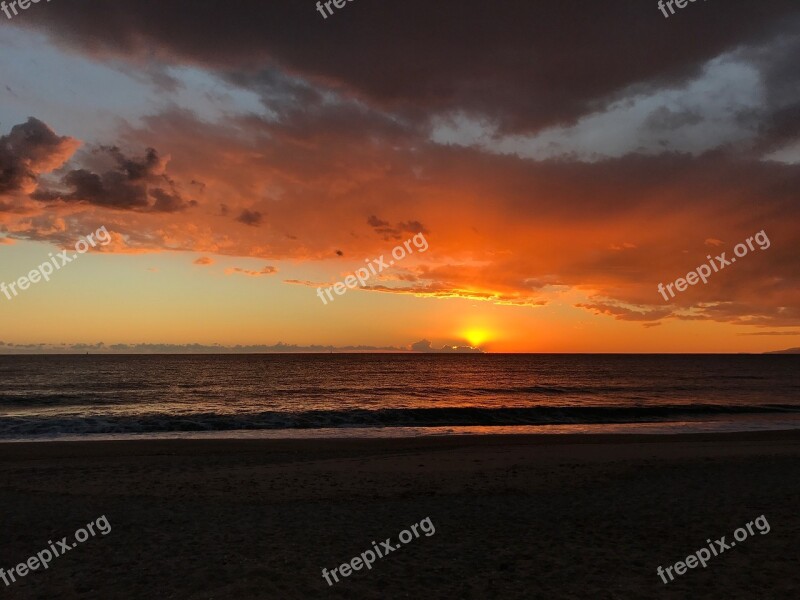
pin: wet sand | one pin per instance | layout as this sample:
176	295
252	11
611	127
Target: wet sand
550	517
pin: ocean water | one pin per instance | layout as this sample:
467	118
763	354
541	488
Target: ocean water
42	397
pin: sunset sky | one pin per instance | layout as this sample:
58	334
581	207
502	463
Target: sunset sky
561	158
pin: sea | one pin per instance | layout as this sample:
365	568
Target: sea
58	397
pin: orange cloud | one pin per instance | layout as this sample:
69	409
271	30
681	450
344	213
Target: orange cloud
261	273
612	229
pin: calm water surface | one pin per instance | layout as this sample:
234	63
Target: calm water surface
50	395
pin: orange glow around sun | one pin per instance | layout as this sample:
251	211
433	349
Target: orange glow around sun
476	336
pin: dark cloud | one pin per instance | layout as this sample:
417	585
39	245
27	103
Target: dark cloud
135	170
781	72
526	64
250	217
31	148
389	232
377	223
166	201
128	184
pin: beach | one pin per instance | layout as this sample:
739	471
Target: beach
572	516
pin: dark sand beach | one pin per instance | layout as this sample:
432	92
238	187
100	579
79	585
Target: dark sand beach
515	516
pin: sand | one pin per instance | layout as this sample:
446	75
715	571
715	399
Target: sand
515	516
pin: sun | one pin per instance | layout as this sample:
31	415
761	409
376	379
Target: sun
476	336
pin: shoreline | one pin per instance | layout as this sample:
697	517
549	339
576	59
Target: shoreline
193	446
764	423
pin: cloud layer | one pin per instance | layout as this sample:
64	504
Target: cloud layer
543	148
